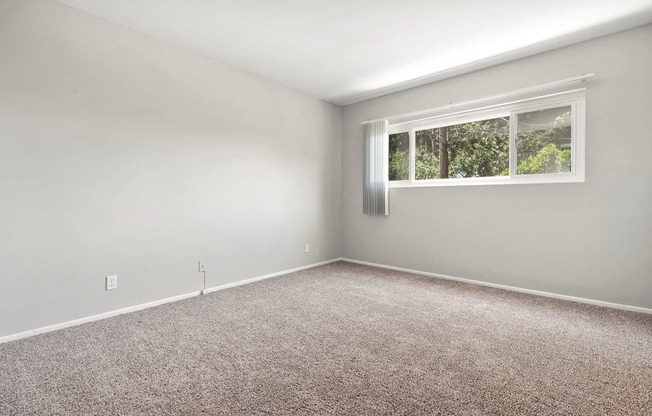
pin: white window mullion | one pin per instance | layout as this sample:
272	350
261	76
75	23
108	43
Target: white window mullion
412	156
574	152
513	129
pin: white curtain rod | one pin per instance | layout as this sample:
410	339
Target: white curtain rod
533	88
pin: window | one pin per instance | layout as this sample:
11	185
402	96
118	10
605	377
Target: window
538	140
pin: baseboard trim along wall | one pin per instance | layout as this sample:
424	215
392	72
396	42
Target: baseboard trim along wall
267	276
505	287
104	315
75	322
62	325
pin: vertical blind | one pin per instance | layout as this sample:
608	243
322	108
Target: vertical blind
375	176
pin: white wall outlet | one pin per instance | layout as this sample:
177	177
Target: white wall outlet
202	266
306	247
112	282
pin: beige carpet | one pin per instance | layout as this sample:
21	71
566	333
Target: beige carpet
341	339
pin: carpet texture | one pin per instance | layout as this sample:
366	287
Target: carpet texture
340	339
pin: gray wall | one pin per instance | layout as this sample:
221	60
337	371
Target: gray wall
591	239
122	154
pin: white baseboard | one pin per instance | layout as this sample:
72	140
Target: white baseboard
267	276
74	322
62	325
512	288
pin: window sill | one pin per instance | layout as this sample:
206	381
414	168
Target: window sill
520	180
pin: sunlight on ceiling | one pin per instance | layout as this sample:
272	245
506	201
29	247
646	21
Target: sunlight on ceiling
345	51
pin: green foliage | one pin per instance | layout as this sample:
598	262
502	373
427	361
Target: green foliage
399	159
548	160
399	166
479	148
426	164
543	146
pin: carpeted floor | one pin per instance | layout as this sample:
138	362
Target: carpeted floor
340	339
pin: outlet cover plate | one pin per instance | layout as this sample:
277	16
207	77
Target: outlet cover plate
112	282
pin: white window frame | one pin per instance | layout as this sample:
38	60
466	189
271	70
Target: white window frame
575	99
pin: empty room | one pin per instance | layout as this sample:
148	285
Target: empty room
215	207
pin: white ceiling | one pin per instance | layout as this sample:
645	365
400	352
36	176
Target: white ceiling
345	51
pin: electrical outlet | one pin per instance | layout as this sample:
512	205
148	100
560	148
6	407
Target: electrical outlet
306	247
112	282
202	266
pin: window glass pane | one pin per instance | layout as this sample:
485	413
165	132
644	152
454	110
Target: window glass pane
427	154
399	157
543	141
475	149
